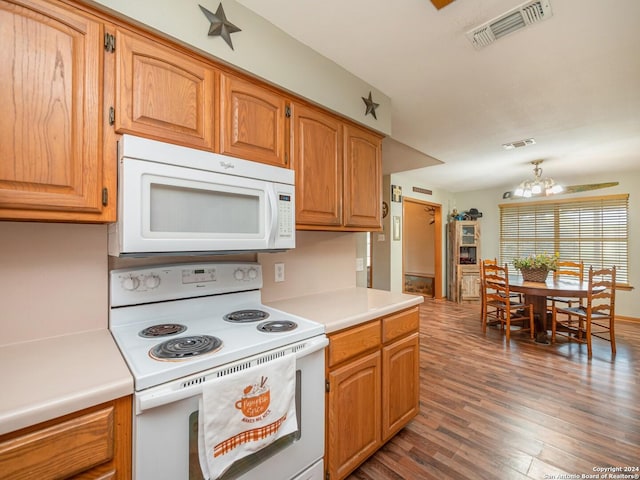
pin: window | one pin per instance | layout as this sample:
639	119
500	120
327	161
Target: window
594	230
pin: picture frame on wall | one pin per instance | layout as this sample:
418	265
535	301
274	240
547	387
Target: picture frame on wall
396	193
396	227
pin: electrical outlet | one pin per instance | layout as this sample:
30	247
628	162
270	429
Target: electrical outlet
359	264
279	269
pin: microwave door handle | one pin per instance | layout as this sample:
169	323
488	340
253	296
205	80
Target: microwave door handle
272	218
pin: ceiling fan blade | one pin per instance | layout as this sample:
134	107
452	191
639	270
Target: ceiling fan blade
570	189
441	3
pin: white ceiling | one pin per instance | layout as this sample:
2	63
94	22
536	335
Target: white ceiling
572	82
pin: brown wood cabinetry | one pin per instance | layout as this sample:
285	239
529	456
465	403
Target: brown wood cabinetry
353	426
163	93
338	172
317	161
362	179
464	258
51	144
69	95
93	443
253	121
373	388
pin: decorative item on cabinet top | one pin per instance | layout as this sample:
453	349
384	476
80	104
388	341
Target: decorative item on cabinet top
370	106
220	26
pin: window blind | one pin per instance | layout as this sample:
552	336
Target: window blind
591	229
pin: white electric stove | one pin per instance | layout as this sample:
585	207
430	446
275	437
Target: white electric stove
180	325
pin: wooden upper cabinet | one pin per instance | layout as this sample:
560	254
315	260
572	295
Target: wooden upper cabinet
163	93
362	179
317	161
51	152
252	121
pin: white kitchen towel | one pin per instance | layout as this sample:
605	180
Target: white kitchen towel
244	412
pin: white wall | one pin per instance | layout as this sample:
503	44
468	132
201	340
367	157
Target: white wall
321	262
381	246
53	280
262	50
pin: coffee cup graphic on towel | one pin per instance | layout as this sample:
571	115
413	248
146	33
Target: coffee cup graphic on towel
255	400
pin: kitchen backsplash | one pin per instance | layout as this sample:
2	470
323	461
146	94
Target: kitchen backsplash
54	276
53	279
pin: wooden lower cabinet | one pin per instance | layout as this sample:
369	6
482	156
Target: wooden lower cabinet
400	384
373	388
94	443
469	283
354	415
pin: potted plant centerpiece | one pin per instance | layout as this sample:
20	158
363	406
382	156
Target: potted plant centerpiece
535	268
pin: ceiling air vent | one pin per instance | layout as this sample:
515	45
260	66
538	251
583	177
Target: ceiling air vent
519	143
522	16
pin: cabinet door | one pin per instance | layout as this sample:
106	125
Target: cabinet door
469	285
353	415
362	179
400	384
163	93
92	443
252	123
51	163
317	160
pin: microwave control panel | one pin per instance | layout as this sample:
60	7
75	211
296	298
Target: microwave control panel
285	215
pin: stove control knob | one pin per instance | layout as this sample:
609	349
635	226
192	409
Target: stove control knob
253	273
152	281
239	274
130	283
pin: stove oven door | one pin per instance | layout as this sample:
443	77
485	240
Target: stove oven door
166	428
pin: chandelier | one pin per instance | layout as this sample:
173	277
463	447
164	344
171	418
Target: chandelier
537	186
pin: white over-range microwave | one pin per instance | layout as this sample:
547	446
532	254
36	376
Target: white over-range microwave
178	200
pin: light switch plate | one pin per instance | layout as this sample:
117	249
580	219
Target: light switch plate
279	269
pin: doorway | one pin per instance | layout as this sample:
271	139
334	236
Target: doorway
422	248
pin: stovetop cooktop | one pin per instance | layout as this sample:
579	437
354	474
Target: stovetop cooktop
163	340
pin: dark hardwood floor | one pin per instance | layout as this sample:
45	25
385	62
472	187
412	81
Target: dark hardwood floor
491	410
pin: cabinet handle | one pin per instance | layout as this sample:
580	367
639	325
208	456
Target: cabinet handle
109	43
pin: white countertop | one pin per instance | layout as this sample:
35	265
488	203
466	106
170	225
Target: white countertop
48	378
45	379
347	307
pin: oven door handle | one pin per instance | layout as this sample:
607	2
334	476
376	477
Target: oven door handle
157	397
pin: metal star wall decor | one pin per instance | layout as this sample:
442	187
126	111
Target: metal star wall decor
220	26
371	106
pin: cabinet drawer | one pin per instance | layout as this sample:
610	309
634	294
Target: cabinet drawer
352	342
60	450
400	324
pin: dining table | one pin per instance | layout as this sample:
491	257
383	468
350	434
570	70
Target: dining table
536	293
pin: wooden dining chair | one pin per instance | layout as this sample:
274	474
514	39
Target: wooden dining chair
490	261
499	305
568	270
594	319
